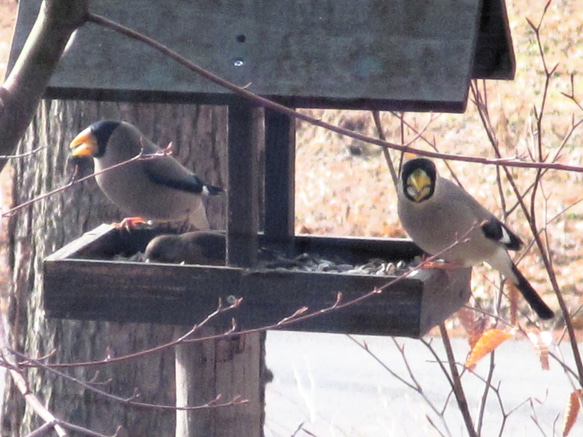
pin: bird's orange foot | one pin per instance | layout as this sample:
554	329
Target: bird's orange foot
129	223
440	264
445	266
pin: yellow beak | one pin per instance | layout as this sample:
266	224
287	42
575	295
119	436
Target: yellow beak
84	144
418	185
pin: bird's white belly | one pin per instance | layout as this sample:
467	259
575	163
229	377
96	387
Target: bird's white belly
443	236
136	195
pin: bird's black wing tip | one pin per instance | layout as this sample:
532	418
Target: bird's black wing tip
212	190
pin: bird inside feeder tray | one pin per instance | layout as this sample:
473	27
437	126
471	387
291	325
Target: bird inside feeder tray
197	247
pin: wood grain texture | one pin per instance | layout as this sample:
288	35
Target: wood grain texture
376	54
99	289
52	223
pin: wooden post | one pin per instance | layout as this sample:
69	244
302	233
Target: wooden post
242	219
234	363
279	177
194	381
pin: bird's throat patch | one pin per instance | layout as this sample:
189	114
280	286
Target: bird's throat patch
419	186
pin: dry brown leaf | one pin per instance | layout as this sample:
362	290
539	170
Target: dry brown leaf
513	298
572	411
489	341
474	326
305	230
541	342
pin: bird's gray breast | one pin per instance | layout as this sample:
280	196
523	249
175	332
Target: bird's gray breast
130	188
448	226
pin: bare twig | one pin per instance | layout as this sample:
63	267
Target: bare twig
457	383
299	315
530	212
262	101
413	384
220	310
139	157
215	403
23	155
389	160
22	385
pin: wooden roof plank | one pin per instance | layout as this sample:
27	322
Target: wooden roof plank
398	54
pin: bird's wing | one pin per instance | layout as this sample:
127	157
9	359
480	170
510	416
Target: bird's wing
168	172
495	230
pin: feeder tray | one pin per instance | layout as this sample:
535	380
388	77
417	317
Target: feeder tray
82	281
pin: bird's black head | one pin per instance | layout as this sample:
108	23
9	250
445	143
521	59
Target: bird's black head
418	178
102	130
92	141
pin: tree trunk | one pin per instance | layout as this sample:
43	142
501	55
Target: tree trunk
199	137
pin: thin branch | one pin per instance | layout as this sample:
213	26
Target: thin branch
389	160
530	212
109	360
215	403
139	157
457	383
22	385
23	88
262	101
23	155
299	315
364	346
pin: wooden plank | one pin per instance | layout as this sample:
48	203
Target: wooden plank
494	54
280	150
175	294
81	284
91	243
377	54
358	249
106	241
242	201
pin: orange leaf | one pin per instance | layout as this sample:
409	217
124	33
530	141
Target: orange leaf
489	341
572	411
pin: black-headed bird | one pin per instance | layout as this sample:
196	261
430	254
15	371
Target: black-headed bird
158	188
442	218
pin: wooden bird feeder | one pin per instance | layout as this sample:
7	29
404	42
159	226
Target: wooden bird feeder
406	55
83	281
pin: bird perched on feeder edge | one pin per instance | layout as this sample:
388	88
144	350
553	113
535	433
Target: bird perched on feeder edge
158	188
436	213
191	248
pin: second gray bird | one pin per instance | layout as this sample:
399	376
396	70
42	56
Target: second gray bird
437	214
158	189
189	248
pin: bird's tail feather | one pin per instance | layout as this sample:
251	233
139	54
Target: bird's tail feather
531	296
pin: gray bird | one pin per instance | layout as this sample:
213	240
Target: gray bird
191	248
158	189
436	213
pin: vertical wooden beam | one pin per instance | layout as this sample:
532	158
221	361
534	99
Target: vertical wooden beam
195	384
242	219
279	177
239	360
